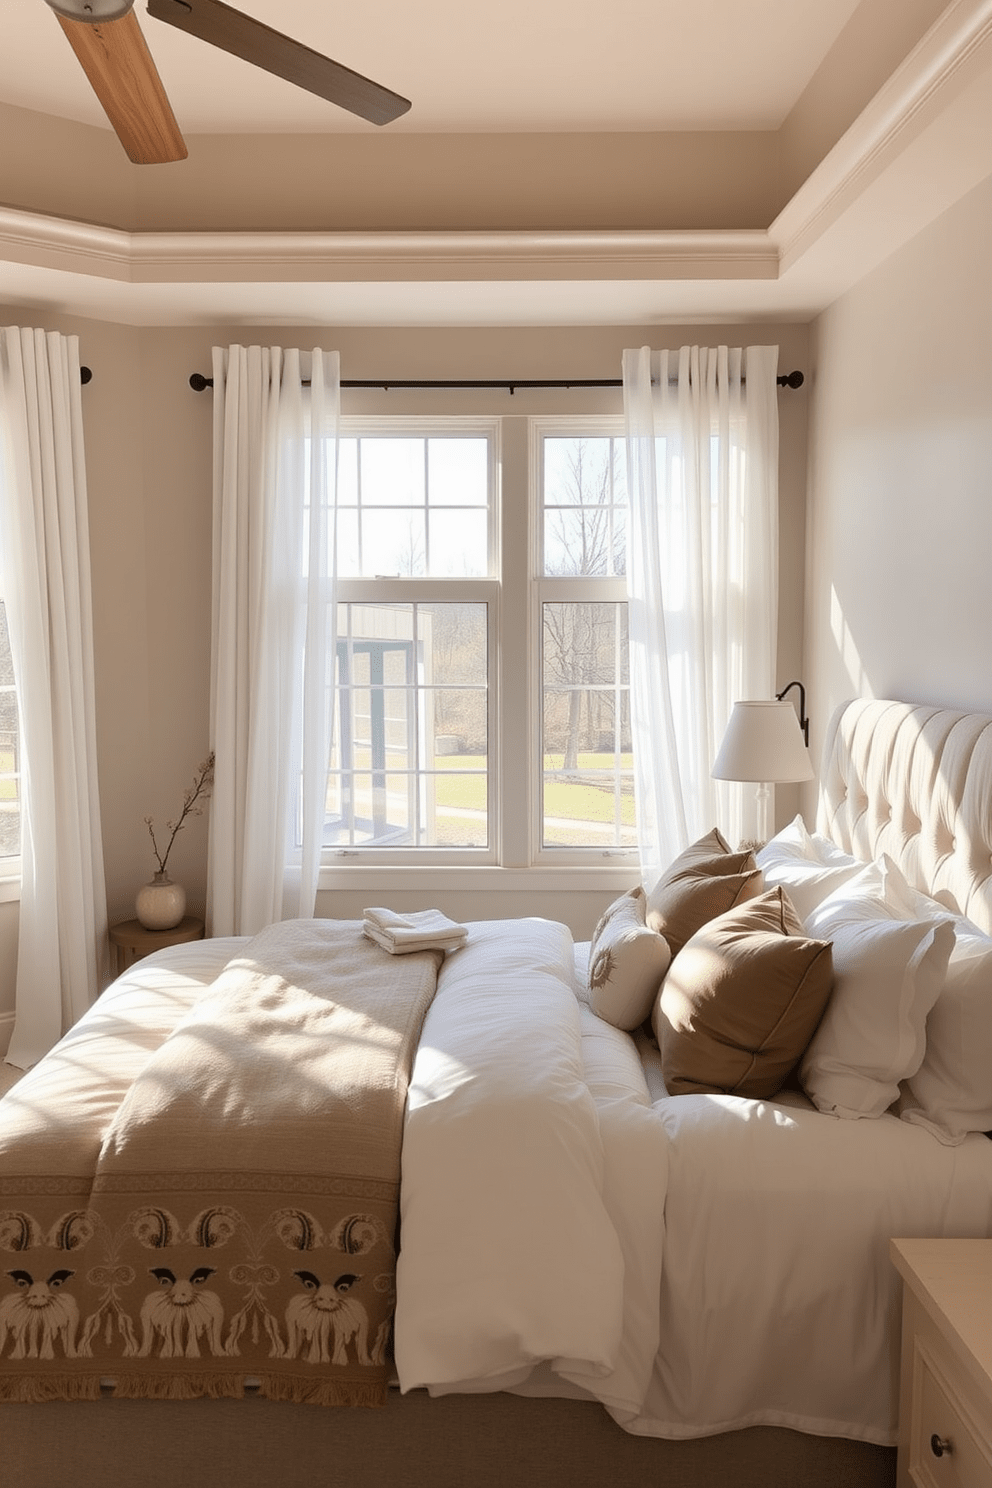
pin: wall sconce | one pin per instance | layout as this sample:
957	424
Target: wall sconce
766	744
803	719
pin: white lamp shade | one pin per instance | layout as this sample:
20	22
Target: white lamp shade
763	743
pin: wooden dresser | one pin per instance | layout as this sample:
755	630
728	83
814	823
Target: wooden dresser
945	1398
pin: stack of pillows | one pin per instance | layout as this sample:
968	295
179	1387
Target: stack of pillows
802	961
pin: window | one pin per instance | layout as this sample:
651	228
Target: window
587	788
481	561
411	766
10	778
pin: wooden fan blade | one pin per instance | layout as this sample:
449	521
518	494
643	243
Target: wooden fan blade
116	59
254	42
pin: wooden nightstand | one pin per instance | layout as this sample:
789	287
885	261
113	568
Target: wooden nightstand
945	1397
131	940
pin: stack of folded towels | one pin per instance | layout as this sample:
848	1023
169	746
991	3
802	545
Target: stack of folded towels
423	930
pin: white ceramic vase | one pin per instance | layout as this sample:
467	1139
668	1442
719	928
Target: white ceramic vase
161	904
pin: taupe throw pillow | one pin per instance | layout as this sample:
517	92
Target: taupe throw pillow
742	1000
704	881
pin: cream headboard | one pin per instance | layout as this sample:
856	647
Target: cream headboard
916	783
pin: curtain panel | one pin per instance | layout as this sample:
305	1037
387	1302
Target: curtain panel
44	571
273	631
702	579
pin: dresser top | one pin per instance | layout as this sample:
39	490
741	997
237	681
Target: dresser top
952	1280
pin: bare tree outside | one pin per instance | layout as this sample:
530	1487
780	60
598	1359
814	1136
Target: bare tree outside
586	716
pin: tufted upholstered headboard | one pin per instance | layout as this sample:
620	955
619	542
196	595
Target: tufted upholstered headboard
914	782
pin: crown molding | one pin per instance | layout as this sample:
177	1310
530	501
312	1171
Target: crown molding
286	257
956	50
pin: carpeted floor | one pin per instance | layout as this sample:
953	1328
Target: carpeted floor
8	1076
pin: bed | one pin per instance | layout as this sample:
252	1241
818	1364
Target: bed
599	1280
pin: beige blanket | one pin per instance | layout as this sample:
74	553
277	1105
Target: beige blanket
234	1218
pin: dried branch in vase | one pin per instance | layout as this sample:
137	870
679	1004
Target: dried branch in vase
193	802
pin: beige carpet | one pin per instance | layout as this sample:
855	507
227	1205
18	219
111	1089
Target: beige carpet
8	1076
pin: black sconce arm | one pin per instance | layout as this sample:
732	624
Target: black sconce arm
803	720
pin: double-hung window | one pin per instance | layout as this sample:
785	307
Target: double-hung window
586	776
10	775
10	746
411	773
481	711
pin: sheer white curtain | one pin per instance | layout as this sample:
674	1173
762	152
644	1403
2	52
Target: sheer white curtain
273	631
45	577
702	579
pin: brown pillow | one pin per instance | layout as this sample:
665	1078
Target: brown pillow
742	1000
704	881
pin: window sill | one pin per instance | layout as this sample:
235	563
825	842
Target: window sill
488	878
10	890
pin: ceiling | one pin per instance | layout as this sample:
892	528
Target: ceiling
525	65
557	66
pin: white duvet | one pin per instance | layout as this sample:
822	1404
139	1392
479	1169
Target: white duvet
533	1191
697	1263
779	1304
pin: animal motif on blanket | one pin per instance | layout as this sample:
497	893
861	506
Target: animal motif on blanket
40	1314
324	1313
37	1315
179	1314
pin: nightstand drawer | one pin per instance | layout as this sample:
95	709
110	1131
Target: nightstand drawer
945	1451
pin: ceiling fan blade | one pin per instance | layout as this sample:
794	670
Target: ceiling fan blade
235	32
115	58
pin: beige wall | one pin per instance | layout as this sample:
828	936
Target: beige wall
900	492
394	181
148	444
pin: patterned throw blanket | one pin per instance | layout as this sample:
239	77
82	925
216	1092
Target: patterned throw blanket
234	1218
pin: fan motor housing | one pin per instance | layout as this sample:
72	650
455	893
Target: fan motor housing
92	11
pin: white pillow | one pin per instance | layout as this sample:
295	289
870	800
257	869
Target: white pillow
807	866
951	1092
627	963
888	973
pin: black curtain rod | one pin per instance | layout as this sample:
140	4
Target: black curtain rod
199	383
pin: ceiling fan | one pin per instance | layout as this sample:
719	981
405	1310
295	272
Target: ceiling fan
107	40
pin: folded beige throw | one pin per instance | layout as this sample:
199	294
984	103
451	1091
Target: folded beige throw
236	1218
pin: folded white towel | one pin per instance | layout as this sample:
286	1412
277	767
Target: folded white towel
405	947
421	930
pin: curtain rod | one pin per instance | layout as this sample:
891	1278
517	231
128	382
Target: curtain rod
199	383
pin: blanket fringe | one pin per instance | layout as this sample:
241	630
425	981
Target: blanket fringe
355	1393
40	1389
